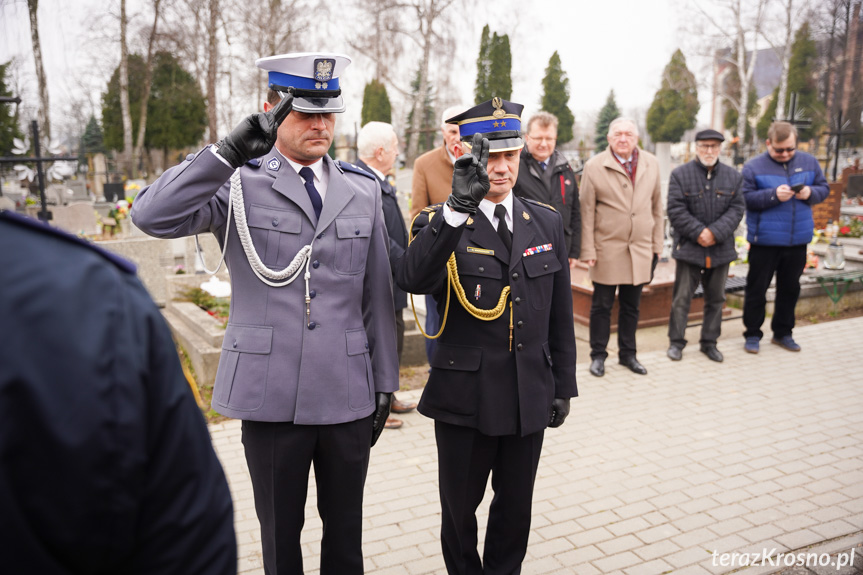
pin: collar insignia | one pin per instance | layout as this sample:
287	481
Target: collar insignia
274	164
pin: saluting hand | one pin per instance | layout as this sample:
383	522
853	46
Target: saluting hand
470	181
255	135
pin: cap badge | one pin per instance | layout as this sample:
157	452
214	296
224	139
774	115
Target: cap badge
274	164
324	69
498	107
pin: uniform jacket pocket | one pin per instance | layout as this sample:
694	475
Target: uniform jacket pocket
354	234
540	269
242	376
275	234
360	379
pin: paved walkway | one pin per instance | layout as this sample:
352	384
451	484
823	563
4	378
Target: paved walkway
649	475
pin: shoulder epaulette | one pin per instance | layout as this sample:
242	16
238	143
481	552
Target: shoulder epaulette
423	218
534	202
348	167
255	162
41	227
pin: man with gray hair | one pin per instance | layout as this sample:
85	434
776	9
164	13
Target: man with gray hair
545	175
378	147
621	238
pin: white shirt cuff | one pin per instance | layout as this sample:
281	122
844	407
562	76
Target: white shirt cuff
454	218
213	149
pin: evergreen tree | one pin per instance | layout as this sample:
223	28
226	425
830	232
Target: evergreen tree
802	80
500	68
428	124
675	105
176	111
555	97
483	66
8	116
376	104
608	113
92	140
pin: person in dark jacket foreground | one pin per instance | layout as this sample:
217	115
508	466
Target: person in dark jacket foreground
780	187
504	367
106	464
705	206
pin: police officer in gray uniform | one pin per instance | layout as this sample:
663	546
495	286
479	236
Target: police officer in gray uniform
309	358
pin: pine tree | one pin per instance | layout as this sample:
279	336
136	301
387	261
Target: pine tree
176	110
8	116
500	68
376	104
802	80
92	140
483	65
428	125
675	105
608	113
555	97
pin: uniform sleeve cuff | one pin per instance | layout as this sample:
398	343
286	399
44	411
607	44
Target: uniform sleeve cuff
453	218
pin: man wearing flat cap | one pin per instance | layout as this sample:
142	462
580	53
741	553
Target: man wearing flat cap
309	358
705	206
504	367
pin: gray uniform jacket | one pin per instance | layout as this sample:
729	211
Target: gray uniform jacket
276	365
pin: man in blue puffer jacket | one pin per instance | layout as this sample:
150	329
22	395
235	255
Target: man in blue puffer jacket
779	187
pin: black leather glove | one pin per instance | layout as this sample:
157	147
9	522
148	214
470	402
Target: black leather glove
255	135
559	411
382	412
469	179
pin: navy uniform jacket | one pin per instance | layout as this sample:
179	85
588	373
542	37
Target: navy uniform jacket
106	465
396	230
475	380
277	365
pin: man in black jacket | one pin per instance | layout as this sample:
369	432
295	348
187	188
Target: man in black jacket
545	175
378	148
705	206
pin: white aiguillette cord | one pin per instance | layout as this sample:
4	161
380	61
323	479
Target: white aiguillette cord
272	278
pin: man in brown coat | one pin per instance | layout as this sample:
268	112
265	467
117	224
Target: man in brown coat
621	238
432	177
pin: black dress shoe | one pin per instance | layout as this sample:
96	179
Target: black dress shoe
711	352
634	366
597	367
674	353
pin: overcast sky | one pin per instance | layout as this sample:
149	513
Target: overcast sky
622	46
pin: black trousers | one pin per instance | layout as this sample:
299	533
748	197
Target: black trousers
787	262
466	457
279	456
629	297
400	332
686	279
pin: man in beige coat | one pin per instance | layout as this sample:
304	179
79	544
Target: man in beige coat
621	238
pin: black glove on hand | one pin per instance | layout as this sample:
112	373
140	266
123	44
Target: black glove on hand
255	135
469	179
382	412
559	411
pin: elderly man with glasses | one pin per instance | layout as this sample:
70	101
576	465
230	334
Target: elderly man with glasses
705	206
780	187
621	238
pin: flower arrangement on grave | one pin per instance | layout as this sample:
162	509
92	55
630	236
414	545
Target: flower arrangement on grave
851	227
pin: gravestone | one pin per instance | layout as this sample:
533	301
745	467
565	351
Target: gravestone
79	191
7	203
855	186
114	192
77	218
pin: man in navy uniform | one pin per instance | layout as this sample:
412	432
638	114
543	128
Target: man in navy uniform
106	464
309	357
504	368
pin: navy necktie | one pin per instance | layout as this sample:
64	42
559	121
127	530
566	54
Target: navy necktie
309	178
543	165
502	230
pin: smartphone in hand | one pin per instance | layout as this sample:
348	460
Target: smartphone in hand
796	189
